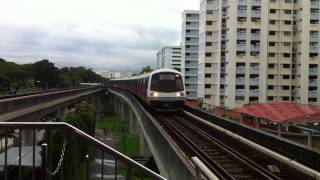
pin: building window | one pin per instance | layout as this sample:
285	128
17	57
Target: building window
209	23
270	76
208	54
207	75
270	98
207	96
270	66
208	64
207	86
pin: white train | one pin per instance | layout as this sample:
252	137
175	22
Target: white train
162	89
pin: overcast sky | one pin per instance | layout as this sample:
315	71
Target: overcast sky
118	35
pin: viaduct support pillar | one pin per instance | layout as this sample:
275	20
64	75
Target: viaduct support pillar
144	148
134	124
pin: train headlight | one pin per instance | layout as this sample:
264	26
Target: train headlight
154	94
179	94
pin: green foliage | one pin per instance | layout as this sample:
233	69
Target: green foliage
129	145
13	76
43	74
146	69
83	117
112	124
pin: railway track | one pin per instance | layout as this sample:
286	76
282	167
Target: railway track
225	156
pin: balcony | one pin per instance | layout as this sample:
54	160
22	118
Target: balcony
313	49
240	92
240	81
194	34
192	18
222	91
241	35
314	4
313	71
254	70
256	13
313	83
254	93
255	48
242	2
256	2
254	81
314	15
192	26
242	13
255	36
314	37
192	49
241	70
241	47
313	94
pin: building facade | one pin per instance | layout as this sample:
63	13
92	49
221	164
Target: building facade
169	57
189	51
259	51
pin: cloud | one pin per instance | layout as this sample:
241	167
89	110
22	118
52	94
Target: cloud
122	48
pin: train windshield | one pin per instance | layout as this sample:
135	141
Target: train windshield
166	82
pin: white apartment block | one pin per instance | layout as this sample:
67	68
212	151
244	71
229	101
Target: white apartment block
169	57
189	51
259	51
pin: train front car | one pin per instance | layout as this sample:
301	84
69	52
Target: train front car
166	90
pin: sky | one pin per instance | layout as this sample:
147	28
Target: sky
117	35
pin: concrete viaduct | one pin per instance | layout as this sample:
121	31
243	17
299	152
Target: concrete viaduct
172	163
47	106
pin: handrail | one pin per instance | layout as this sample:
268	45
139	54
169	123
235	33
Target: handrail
200	167
83	136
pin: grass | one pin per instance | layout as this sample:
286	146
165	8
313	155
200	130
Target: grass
130	146
113	124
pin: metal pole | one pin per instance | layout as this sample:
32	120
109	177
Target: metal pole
20	144
310	139
279	129
44	160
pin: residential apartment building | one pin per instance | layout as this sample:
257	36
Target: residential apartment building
169	57
189	51
259	51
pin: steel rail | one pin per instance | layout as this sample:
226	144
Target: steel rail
289	162
250	168
251	164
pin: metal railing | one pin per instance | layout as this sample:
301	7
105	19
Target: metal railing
38	163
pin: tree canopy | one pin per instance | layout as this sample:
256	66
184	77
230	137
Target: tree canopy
43	74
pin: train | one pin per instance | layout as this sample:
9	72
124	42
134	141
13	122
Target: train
162	89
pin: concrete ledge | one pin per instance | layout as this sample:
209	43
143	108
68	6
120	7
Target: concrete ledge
38	111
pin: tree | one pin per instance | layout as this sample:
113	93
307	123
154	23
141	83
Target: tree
146	69
46	73
13	76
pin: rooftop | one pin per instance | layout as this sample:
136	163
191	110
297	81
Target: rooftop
282	112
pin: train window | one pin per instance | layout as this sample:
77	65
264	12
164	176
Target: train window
166	82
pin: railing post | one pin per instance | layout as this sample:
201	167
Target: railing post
20	144
6	155
115	169
87	159
129	173
44	147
